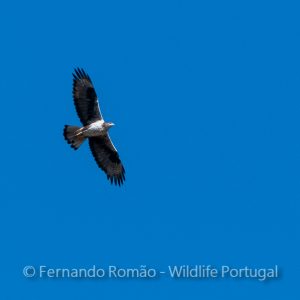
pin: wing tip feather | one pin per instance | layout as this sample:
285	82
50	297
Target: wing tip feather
116	179
80	74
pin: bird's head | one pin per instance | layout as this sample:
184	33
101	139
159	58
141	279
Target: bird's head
109	124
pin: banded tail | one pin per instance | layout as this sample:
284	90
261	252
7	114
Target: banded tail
73	136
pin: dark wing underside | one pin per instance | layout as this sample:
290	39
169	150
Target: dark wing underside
85	98
107	158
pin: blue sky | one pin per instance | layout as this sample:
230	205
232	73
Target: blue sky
205	98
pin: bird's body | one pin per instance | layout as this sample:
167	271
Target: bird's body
97	128
94	128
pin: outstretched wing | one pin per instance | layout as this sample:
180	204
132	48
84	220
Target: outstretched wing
107	158
85	98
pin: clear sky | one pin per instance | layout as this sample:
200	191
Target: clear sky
205	97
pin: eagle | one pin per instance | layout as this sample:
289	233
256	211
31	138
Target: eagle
94	128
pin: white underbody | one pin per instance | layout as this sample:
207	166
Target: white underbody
94	129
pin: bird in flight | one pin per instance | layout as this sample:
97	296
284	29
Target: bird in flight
94	128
